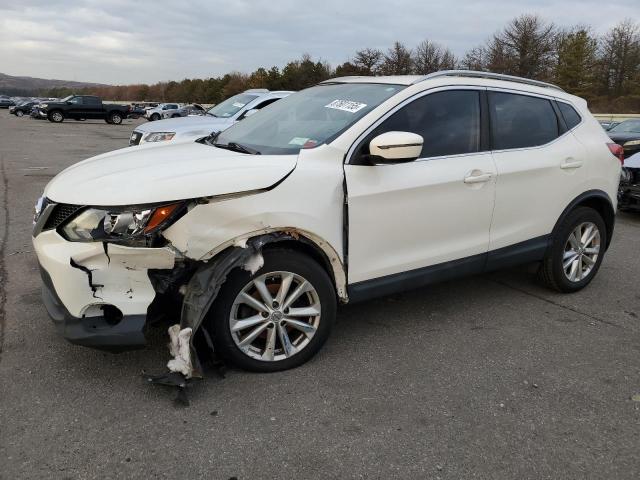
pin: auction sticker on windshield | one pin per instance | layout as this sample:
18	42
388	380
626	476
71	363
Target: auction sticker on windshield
346	105
239	105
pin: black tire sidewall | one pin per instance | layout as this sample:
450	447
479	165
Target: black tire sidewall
274	260
578	216
50	116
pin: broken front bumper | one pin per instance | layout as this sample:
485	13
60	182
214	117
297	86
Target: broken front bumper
98	294
629	190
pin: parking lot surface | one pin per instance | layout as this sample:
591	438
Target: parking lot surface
488	377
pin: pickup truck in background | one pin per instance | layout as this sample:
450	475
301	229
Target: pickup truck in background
81	107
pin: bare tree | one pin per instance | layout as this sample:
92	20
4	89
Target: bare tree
475	59
397	60
368	60
620	58
526	47
430	57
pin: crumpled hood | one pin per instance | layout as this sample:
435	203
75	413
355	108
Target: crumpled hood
138	175
206	124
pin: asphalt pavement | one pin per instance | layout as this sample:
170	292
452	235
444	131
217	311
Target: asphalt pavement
487	377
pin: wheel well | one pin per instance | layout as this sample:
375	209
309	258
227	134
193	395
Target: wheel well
308	249
600	204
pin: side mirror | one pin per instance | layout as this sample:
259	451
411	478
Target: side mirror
69	102
396	147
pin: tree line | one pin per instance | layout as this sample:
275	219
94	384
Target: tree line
604	69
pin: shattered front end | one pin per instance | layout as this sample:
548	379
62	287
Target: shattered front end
629	190
98	277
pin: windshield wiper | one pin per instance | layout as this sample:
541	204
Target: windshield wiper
236	147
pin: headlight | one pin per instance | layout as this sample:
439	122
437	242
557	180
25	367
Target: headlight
159	136
631	143
43	105
132	225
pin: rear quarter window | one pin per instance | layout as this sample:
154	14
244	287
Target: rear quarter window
571	117
521	121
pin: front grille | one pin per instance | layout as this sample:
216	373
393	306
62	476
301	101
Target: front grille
135	138
60	214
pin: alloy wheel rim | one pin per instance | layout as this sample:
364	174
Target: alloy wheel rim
57	117
581	251
116	119
275	316
19	113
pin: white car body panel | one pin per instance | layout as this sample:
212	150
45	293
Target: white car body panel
434	216
141	175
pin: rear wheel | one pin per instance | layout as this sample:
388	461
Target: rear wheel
277	318
576	252
56	116
115	118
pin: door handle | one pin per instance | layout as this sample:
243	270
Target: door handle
477	178
569	164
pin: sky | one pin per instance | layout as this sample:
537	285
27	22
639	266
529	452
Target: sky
146	41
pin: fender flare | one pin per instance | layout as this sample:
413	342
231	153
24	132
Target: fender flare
588	198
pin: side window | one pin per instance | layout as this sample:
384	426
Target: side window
571	117
265	103
521	121
448	121
76	101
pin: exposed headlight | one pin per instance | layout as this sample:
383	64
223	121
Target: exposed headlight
43	105
159	136
631	143
128	225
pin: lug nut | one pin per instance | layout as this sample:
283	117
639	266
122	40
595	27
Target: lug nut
275	305
265	314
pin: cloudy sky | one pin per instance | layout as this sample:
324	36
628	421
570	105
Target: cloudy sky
120	41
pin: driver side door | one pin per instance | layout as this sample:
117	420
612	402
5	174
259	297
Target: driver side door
428	219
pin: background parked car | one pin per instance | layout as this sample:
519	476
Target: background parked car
216	119
22	109
629	192
608	124
185	111
627	134
80	107
6	103
153	114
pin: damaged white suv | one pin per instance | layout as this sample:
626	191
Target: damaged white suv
354	188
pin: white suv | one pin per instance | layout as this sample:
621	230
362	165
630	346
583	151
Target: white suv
355	188
217	118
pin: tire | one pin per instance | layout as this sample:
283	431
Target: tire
175	116
226	310
578	258
115	118
154	117
56	116
19	113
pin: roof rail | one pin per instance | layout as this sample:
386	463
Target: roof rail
490	75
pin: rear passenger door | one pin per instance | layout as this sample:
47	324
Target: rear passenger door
540	166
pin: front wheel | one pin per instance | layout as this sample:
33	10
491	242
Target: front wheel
154	117
277	318
56	117
576	252
19	113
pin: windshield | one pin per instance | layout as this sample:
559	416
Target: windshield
307	119
66	99
629	126
231	106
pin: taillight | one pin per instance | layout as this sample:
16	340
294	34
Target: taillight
617	151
